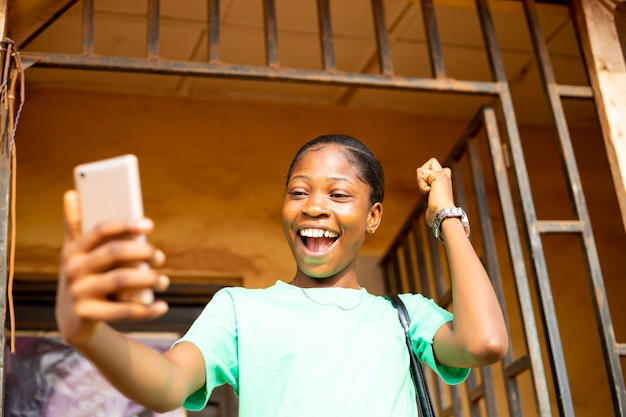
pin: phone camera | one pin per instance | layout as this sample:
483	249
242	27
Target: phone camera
82	175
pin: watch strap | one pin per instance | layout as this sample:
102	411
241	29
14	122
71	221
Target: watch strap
445	213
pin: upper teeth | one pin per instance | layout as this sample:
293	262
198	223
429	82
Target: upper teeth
318	233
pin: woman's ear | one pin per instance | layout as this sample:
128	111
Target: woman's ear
374	217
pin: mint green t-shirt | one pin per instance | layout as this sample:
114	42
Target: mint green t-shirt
289	351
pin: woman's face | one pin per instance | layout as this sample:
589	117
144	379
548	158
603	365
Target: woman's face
326	213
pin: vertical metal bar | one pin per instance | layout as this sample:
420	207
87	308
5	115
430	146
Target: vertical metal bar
472	387
489	392
485	391
540	384
401	272
457	403
397	277
439	389
409	266
88	27
574	186
5	187
491	256
389	285
271	33
483	213
424	289
493	269
213	30
382	38
548	313
457	183
386	277
153	28
326	35
432	35
486	229
556	109
460	196
5	192
421	261
433	246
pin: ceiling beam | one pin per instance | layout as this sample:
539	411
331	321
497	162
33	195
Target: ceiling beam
27	19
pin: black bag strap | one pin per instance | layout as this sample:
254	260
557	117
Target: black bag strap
424	401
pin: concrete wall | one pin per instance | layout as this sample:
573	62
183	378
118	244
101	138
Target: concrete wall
213	176
213	173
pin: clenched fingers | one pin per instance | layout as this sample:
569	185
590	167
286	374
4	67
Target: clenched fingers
109	231
107	284
436	181
111	254
103	310
428	173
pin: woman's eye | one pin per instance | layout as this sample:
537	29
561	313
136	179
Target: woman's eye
297	193
339	196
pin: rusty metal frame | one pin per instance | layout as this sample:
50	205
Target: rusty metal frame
5	192
407	256
532	231
11	71
249	72
581	226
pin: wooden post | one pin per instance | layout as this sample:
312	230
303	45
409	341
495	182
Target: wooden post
607	72
5	190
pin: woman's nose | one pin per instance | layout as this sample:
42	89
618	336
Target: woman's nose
317	205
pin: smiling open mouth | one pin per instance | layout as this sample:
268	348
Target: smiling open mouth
318	240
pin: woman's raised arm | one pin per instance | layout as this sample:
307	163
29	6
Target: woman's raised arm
477	336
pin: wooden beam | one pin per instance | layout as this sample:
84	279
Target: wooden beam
607	73
27	19
4	7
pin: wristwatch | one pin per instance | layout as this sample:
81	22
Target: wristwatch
450	212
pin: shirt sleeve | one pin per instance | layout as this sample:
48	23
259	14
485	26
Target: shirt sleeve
214	333
426	318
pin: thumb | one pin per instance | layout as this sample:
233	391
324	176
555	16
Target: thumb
424	179
71	214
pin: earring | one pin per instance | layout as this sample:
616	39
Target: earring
372	230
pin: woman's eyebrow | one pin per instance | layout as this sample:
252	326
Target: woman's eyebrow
299	177
329	179
339	179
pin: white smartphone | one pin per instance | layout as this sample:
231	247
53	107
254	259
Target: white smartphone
110	189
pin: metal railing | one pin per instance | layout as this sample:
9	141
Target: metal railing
401	276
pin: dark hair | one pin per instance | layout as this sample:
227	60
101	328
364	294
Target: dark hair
358	154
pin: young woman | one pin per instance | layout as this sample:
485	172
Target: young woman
319	345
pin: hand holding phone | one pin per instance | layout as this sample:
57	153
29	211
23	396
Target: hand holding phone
110	190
